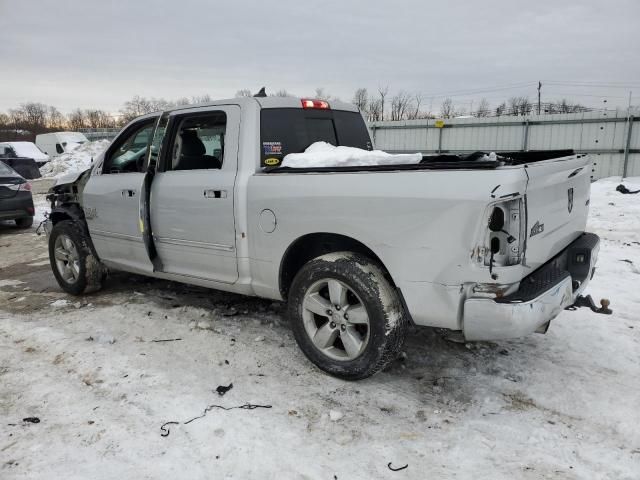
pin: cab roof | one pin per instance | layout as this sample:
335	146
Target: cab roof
269	102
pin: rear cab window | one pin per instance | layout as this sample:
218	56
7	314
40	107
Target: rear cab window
292	130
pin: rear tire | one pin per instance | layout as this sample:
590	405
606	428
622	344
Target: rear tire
346	316
24	222
74	265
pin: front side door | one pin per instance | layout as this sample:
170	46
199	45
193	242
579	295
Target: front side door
192	194
111	199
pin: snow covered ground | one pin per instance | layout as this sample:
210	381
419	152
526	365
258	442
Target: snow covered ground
77	160
562	405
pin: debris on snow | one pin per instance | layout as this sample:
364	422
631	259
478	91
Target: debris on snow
335	415
204	325
222	389
164	431
396	469
60	303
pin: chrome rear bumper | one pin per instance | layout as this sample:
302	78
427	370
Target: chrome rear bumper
540	297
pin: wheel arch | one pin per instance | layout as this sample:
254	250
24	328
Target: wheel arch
312	245
67	212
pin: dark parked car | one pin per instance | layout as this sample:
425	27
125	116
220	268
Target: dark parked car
27	166
16	202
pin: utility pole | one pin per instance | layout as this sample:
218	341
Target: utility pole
539	87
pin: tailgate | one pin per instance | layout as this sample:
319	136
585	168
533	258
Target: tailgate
557	205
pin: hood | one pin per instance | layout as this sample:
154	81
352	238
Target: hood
69	177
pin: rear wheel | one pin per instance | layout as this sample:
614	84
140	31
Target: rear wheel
346	316
24	222
74	265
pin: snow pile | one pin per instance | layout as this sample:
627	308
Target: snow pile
323	154
77	160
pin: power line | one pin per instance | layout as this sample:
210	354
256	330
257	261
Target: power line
460	93
591	85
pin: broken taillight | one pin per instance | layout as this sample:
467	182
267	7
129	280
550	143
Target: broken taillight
503	239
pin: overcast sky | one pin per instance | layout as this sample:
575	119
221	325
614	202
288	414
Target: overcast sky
99	53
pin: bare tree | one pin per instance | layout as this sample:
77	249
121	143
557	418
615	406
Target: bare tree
519	106
415	112
382	91
55	119
33	117
361	99
501	109
206	98
566	106
140	105
245	92
77	120
182	101
374	110
483	108
281	93
98	119
400	106
446	109
320	94
525	106
514	105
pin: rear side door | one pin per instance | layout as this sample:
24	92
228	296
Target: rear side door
192	194
111	199
557	205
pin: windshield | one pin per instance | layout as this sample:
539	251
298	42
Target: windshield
292	130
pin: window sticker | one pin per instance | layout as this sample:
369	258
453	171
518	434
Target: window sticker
272	162
272	148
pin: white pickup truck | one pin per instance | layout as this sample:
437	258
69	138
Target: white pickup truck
490	246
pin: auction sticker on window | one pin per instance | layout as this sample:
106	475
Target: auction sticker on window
272	148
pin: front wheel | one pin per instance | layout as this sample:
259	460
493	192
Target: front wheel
346	316
74	265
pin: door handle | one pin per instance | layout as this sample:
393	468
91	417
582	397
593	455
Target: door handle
215	194
128	193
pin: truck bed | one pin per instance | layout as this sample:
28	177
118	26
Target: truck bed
445	161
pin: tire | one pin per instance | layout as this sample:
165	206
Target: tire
360	348
70	242
24	222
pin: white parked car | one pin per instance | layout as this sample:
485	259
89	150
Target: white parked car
54	144
23	150
492	246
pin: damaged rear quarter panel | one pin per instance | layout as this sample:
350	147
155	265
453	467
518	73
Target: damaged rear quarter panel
421	224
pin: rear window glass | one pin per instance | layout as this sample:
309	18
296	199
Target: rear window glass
292	130
6	171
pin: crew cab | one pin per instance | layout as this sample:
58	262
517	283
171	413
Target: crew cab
490	246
